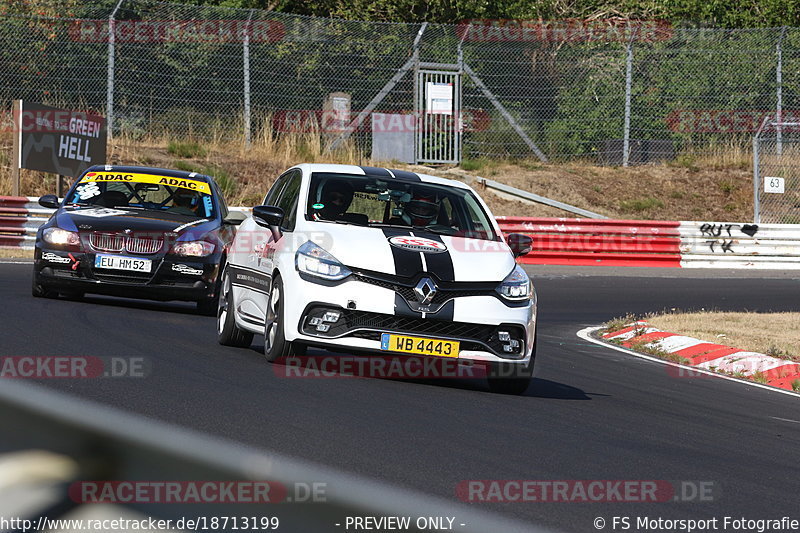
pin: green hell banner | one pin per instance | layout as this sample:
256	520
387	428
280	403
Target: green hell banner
58	141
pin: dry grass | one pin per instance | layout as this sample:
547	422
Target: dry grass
709	187
774	334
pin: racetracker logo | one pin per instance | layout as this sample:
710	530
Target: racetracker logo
317	120
727	120
177	31
49	121
182	492
377	366
564	30
584	491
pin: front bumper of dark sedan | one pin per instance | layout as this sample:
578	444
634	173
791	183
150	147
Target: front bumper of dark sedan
171	277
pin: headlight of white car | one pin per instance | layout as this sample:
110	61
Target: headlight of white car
517	286
193	248
316	261
61	237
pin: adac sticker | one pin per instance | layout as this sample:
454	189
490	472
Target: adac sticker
418	244
183	183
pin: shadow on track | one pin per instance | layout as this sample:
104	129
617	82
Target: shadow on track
310	367
184	308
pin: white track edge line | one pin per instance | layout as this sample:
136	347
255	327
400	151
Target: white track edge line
4	262
585	335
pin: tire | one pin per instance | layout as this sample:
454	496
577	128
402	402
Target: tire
228	333
276	346
39	291
512	378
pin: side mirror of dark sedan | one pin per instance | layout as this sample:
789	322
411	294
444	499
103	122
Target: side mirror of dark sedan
269	216
49	201
519	243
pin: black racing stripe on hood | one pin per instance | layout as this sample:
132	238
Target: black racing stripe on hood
376	172
405	175
406	263
440	264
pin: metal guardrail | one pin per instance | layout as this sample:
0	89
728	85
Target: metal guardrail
105	443
570	241
686	244
525	195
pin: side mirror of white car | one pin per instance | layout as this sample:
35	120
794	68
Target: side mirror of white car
269	216
519	243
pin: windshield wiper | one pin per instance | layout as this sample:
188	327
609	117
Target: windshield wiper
412	228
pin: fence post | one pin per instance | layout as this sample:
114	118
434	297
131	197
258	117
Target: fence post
246	74
626	134
779	95
756	180
110	74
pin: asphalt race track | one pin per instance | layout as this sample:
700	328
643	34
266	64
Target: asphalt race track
592	413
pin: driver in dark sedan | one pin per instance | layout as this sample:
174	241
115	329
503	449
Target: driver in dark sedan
183	203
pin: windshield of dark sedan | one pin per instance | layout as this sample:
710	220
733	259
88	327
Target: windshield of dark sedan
177	196
377	202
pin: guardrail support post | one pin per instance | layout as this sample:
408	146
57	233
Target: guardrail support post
756	180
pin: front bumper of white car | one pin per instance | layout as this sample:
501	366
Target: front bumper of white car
355	312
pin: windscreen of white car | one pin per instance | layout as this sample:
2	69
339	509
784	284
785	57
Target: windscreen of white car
375	202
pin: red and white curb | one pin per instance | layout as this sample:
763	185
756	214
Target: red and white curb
703	357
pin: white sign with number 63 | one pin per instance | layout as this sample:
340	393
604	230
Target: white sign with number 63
773	184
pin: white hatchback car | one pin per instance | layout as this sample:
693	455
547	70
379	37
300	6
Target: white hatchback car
383	261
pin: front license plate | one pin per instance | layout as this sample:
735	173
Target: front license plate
118	262
419	345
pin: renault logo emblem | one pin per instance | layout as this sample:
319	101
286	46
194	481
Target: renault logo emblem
425	290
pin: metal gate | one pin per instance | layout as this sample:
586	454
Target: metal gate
437	101
776	173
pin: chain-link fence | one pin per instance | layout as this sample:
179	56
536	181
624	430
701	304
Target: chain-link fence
776	173
614	92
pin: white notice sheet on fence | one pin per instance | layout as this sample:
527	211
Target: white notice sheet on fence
439	98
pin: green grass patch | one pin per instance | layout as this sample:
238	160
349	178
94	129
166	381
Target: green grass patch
186	149
473	164
223	179
640	204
